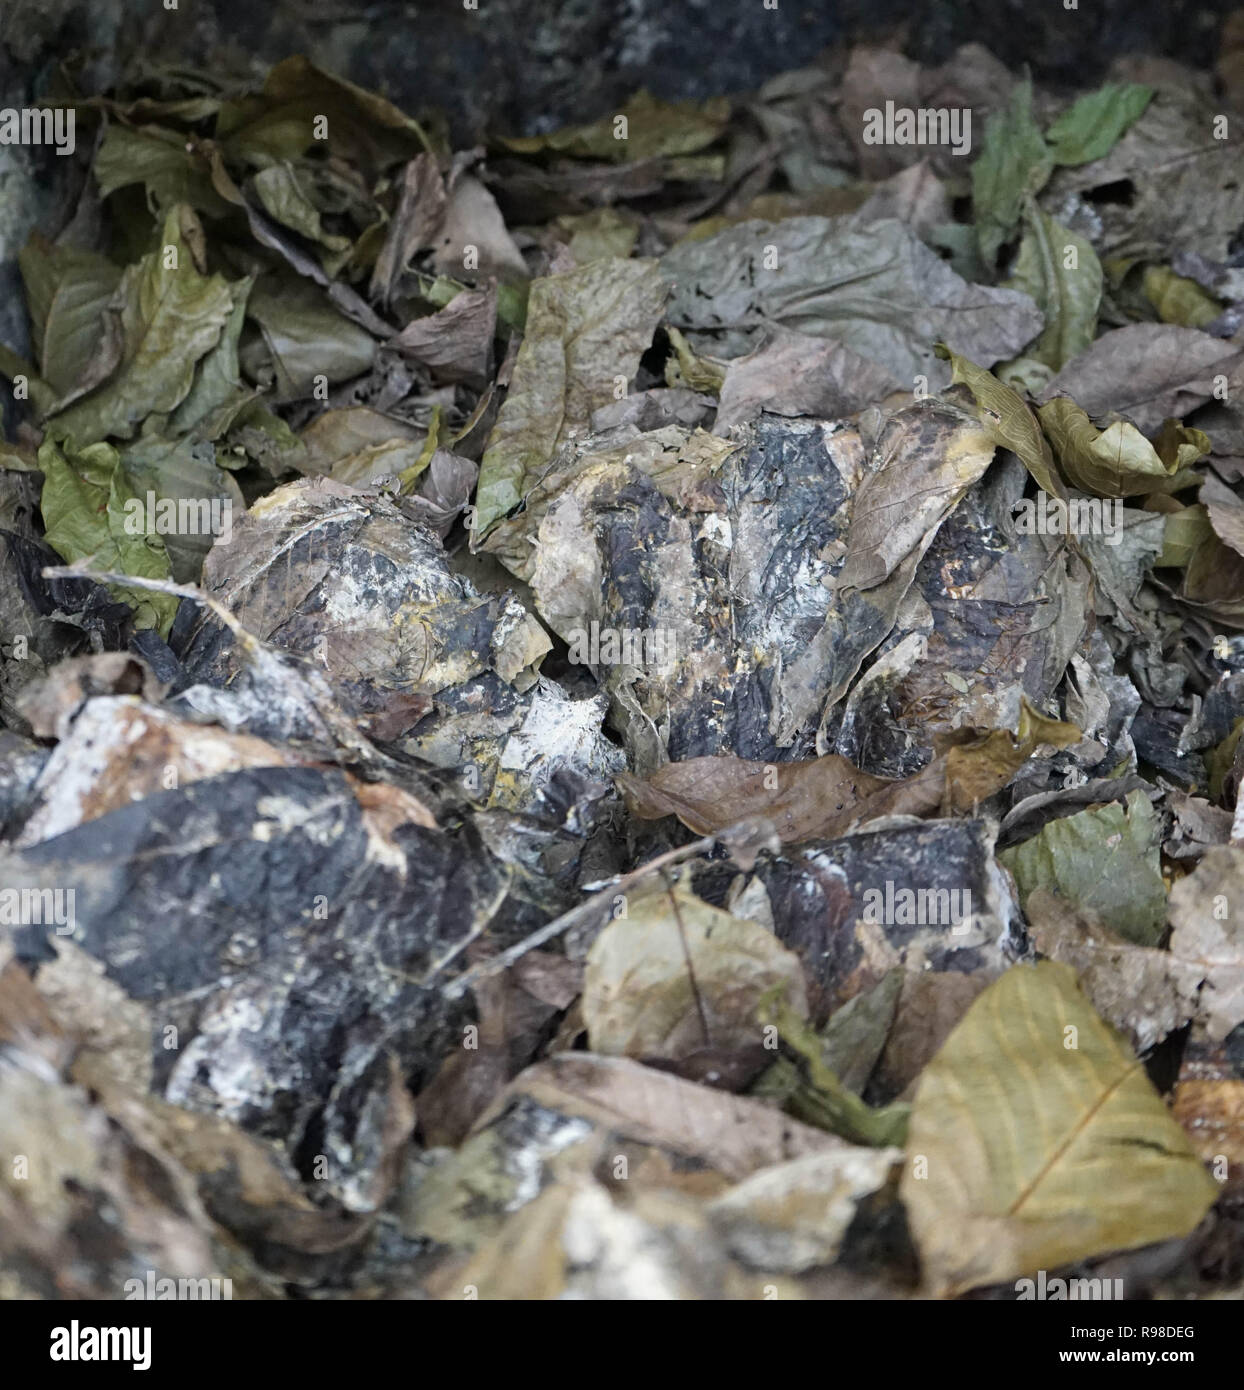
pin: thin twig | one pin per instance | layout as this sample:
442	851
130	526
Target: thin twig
749	833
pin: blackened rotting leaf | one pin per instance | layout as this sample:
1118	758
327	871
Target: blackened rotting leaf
724	585
290	940
993	617
345	581
926	896
733	628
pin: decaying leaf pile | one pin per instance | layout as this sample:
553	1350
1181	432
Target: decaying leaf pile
647	711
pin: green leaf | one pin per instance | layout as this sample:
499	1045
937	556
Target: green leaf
86	518
1013	165
67	325
822	1099
170	317
1068	296
645	128
159	160
303	106
183	470
1091	127
307	337
281	190
586	331
1106	860
1117	461
217	378
1178	299
1042	1142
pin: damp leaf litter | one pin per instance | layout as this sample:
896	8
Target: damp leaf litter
647	707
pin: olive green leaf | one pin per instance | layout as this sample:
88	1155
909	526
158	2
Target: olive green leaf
303	106
159	160
1006	419
1037	1140
183	471
1013	165
1184	532
41	393
170	317
307	337
1117	461
86	518
818	1096
1178	299
1091	126
67	291
980	763
595	235
1061	272
218	384
586	331
645	128
284	193
1104	859
686	368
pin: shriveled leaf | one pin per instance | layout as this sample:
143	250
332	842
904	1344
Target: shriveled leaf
361	127
307	337
1061	272
794	374
820	1098
585	330
902	502
420	209
1146	372
871	285
796	1215
472	219
1008	421
1091	126
218	389
1145	993
361	447
977	765
1117	461
456	341
811	800
283	191
1104	860
685	368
